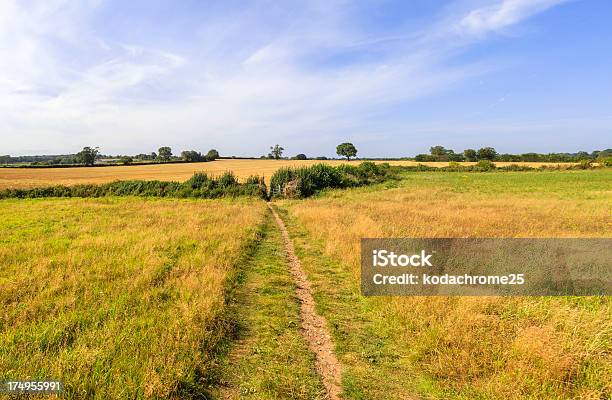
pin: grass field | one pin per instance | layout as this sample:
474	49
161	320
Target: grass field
38	177
119	298
464	348
157	298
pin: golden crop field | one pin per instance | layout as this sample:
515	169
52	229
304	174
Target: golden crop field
39	177
119	298
462	347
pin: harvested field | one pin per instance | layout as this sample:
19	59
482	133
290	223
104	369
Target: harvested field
38	177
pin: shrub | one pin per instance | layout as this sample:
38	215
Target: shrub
484	165
583	164
324	176
305	181
606	161
454	166
255	180
198	180
368	169
516	167
227	179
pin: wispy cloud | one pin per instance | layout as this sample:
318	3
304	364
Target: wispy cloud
238	81
503	14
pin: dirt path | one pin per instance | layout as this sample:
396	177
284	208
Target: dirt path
314	326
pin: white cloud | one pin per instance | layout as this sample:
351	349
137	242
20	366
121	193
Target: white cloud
243	83
503	14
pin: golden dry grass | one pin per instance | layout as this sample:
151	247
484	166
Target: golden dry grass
487	347
119	298
38	177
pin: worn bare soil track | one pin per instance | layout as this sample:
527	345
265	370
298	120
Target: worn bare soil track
314	326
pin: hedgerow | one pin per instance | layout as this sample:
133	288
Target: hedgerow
200	185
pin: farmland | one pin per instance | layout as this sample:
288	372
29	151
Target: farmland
125	297
459	347
37	177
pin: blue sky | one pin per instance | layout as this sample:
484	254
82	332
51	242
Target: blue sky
393	77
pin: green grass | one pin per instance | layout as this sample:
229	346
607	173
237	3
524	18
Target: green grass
270	359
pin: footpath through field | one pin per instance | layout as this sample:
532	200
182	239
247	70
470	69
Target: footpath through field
278	353
314	326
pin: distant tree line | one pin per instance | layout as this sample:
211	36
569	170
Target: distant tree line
90	156
440	153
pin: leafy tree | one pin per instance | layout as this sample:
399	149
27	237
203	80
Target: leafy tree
470	155
487	153
438	151
88	155
455	157
212	155
126	160
347	150
276	151
423	157
192	156
165	153
300	157
582	155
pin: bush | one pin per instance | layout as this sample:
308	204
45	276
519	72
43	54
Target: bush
484	165
198	180
516	167
606	161
583	164
324	176
227	179
255	180
305	181
454	166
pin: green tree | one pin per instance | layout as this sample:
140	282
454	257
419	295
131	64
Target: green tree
347	150
88	155
300	157
212	155
438	151
165	153
470	155
487	153
276	151
126	160
582	155
191	156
